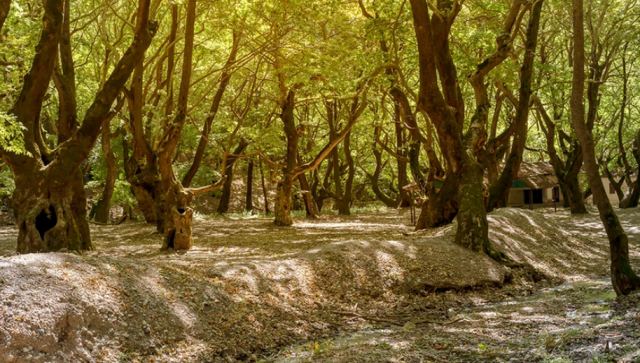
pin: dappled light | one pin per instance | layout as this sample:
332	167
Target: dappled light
246	274
333	181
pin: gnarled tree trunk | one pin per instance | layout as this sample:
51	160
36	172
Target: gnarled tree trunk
623	278
49	198
48	216
283	202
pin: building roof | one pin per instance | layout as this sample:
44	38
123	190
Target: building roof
537	175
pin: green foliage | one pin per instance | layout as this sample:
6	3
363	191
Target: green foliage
11	134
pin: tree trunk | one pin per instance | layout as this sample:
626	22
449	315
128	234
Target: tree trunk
440	208
375	177
225	199
565	170
409	121
310	205
574	191
102	208
172	200
499	191
49	202
48	215
283	202
473	229
265	193
248	205
401	159
285	185
144	181
632	199
5	6
623	278
345	199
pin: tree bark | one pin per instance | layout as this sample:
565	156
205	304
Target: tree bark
310	205
344	200
5	6
102	208
173	201
283	202
401	159
225	199
265	193
248	204
623	278
633	197
375	177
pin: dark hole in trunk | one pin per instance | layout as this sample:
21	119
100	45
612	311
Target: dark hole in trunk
46	220
171	239
181	210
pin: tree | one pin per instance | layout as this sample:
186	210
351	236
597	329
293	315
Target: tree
441	99
623	278
49	191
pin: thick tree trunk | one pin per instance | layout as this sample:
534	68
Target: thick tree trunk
623	278
144	181
575	194
283	203
50	203
174	212
441	207
172	200
310	205
473	229
48	215
248	204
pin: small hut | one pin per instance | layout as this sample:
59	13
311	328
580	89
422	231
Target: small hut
536	186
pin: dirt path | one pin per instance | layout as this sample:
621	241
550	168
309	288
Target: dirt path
573	322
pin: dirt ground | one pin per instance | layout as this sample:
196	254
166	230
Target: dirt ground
364	288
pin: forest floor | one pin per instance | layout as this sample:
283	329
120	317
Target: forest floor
362	288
